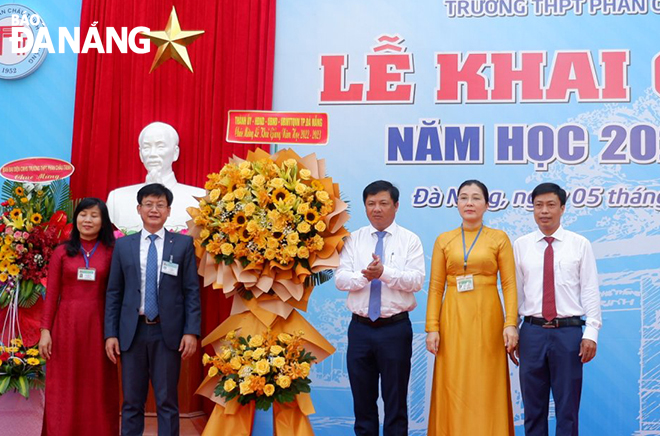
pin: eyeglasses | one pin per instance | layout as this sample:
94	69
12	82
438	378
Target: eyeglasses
158	206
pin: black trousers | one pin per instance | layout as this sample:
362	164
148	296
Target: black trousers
380	353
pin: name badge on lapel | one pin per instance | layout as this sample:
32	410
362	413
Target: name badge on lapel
87	274
465	283
170	268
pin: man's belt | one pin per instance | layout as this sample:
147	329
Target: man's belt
555	323
144	319
380	321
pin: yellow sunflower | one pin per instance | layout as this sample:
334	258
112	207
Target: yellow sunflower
311	216
15	214
19	191
279	194
11	202
36	218
240	219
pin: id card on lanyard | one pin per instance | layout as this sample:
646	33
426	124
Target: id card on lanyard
87	274
465	282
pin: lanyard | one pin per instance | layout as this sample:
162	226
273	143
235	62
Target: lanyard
86	255
466	254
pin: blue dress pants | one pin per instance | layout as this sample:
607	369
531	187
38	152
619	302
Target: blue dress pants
380	353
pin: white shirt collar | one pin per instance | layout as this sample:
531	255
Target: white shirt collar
391	229
558	234
160	233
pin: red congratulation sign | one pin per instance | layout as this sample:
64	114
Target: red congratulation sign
36	170
259	127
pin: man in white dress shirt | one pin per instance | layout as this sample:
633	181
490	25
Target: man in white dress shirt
381	266
557	295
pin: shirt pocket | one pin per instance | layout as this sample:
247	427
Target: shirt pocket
568	272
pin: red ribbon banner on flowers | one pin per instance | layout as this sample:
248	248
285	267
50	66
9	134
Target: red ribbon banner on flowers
257	127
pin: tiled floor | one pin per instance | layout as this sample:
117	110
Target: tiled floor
189	426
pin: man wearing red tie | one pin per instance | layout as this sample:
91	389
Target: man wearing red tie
557	295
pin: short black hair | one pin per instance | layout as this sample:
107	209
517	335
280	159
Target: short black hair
550	188
374	188
106	234
478	184
155	190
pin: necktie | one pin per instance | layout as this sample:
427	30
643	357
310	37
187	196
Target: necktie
549	310
151	281
376	285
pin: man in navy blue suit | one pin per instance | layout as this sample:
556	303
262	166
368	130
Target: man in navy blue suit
152	313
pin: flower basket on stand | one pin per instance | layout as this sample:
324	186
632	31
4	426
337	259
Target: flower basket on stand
269	229
30	229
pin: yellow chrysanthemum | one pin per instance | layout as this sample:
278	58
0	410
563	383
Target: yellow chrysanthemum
24	200
269	390
36	218
16	341
229	385
3	277
12	349
32	352
13	270
19	191
4	265
283	381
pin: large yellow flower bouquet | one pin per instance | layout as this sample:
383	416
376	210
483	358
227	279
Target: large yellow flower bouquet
269	223
269	229
261	368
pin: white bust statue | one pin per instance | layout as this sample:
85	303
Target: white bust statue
159	148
